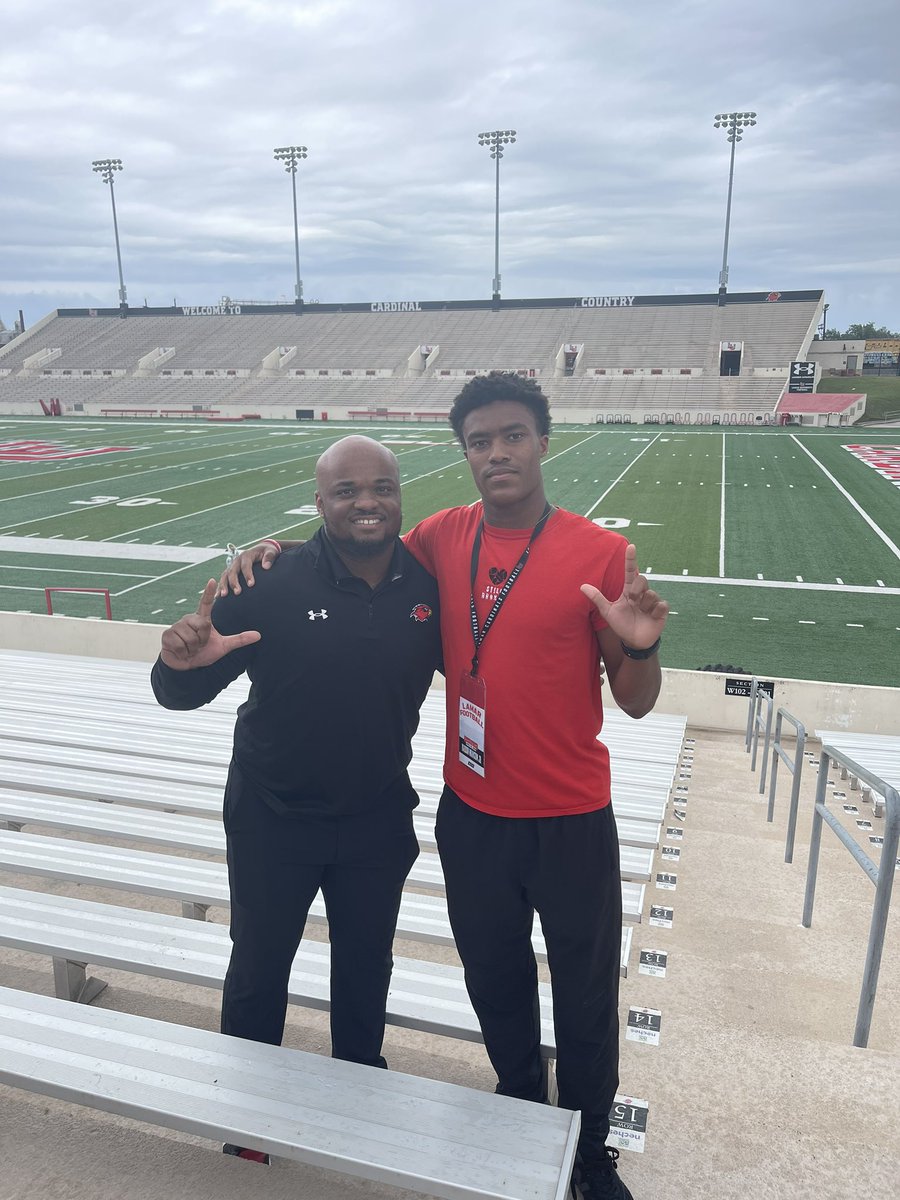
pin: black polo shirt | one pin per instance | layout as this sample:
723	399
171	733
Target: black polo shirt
338	678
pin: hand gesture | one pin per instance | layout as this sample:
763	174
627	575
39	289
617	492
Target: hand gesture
264	553
638	617
195	642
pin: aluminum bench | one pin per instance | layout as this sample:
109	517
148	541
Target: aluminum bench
384	1126
200	834
105	782
427	996
198	884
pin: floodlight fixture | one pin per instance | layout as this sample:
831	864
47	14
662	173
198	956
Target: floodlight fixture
734	124
495	140
291	156
106	169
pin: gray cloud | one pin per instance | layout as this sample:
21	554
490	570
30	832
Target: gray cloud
617	181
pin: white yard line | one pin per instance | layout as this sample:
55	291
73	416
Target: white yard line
72	510
403	483
306	521
198	512
156	579
177	487
79	571
574	446
722	517
149	452
123	550
785	584
622	476
892	546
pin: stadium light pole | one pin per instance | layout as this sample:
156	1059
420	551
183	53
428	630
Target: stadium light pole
291	156
495	141
734	124
106	169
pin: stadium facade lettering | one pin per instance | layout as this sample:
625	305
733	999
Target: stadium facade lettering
322	308
607	301
212	310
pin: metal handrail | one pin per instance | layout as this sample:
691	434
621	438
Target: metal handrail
750	712
881	874
795	768
757	725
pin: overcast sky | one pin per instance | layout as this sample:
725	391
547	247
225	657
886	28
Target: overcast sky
616	184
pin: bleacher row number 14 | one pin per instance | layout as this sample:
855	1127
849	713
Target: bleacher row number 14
131	502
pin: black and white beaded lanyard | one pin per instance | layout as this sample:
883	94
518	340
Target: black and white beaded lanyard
478	635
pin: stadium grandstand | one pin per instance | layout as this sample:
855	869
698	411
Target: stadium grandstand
615	359
760	1049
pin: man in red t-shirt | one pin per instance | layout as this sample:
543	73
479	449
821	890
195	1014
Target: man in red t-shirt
533	599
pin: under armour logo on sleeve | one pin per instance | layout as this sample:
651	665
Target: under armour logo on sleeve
323	614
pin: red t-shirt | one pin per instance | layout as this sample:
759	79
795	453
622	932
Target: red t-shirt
539	660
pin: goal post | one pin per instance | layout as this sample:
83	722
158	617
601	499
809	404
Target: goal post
104	592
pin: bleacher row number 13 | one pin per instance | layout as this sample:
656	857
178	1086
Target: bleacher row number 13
131	502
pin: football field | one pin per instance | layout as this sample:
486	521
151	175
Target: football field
778	551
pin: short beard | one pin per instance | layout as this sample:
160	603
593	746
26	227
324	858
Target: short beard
350	548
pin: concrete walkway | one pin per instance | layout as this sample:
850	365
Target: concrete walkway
754	1089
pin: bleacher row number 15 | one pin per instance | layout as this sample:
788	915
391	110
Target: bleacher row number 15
131	502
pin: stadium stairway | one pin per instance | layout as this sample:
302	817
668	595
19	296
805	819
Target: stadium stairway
754	1088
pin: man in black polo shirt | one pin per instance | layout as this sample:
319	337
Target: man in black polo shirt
340	643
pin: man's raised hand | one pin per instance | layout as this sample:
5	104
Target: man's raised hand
195	642
639	615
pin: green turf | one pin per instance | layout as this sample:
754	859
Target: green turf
882	392
182	488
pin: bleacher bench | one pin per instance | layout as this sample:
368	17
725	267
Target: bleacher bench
200	834
198	884
396	1129
642	798
102	783
427	996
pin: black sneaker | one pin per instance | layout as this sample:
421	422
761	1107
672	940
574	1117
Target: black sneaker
599	1179
257	1156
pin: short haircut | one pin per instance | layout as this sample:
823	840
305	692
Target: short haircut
500	385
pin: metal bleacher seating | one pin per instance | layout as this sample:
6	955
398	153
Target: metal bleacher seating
77	732
878	753
434	1137
665	337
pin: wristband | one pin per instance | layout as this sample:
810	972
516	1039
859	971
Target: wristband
272	542
641	654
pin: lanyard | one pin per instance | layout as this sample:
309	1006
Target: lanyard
478	635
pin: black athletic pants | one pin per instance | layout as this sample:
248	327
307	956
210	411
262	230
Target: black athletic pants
499	871
276	864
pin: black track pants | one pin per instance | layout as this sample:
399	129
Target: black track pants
499	871
275	867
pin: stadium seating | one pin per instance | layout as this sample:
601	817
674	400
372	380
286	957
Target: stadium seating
75	932
659	357
430	1136
115	742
